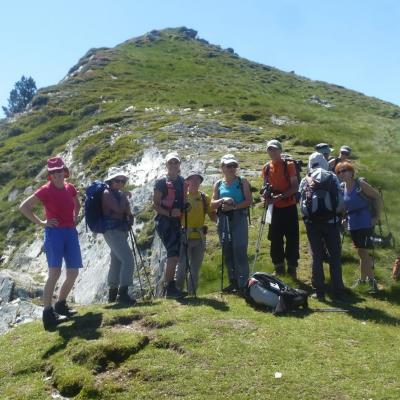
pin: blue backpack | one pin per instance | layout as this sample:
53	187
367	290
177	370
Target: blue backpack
93	210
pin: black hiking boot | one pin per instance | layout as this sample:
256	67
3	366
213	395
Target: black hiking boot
172	292
231	288
112	295
279	269
61	307
124	298
51	319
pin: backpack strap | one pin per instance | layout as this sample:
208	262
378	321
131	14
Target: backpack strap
204	201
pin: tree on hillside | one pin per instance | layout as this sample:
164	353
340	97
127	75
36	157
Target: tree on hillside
20	96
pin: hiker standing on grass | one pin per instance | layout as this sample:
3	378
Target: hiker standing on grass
321	205
196	208
344	155
118	219
359	219
232	197
281	177
169	202
61	206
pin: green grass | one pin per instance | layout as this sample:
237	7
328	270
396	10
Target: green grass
210	347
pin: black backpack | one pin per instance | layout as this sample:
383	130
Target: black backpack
266	290
93	210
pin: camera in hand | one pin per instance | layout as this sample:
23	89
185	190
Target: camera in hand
267	191
384	242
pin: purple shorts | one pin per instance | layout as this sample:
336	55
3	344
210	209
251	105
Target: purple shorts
62	243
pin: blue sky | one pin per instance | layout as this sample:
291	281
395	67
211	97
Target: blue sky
354	43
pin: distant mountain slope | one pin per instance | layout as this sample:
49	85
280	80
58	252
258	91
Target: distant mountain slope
109	102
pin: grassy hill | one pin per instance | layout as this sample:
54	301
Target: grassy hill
116	102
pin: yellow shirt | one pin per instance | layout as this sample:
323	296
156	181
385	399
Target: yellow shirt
195	214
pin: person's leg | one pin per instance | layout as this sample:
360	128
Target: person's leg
333	245
275	235
70	278
48	291
316	245
290	223
239	245
366	264
196	256
225	236
180	273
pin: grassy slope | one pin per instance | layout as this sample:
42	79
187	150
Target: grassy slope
342	357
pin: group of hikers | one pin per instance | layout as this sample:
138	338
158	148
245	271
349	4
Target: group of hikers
328	195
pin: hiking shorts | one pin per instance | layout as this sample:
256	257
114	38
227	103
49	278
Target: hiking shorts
62	243
169	230
362	238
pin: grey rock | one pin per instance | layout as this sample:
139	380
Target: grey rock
6	288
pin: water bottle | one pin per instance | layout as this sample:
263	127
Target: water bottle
268	217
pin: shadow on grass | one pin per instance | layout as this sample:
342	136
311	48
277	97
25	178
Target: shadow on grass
204	301
83	326
120	306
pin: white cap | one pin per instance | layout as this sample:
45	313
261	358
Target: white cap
172	156
228	159
317	160
114	172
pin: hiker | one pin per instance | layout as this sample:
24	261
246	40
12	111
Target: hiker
197	206
321	205
169	202
359	219
118	220
324	149
61	206
344	154
317	160
281	178
231	198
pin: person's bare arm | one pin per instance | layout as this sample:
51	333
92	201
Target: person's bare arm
26	208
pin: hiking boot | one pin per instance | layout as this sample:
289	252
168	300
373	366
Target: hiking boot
51	319
358	282
292	271
112	295
124	298
231	288
373	285
318	296
279	269
172	292
61	307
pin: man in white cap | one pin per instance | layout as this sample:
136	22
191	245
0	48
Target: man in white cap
324	149
169	203
344	155
281	177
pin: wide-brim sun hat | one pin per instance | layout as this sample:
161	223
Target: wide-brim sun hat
228	159
275	144
172	156
115	172
195	173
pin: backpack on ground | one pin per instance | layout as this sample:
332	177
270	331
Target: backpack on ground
93	210
321	199
266	290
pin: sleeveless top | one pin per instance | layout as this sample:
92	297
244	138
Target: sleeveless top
233	190
357	208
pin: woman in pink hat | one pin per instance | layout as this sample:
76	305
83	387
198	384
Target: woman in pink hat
61	206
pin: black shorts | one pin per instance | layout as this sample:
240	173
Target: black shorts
362	238
169	230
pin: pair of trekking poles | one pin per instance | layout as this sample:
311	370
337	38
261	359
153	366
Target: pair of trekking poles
140	266
188	269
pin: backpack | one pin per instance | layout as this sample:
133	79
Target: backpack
169	194
93	210
266	290
286	158
321	200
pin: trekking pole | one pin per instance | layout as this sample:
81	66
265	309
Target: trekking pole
142	266
223	239
384	208
137	266
188	269
260	233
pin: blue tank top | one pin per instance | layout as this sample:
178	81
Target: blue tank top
359	215
233	190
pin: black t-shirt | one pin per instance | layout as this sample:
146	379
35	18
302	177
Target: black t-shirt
161	185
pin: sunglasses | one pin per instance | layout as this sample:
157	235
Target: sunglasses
342	171
173	162
56	171
123	181
231	166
